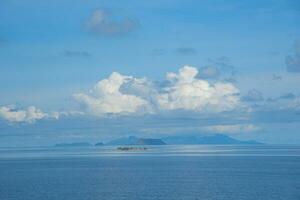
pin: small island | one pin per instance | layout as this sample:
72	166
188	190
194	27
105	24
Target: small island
132	148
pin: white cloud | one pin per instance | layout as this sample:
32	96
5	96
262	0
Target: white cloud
106	97
184	91
188	92
29	115
236	128
120	94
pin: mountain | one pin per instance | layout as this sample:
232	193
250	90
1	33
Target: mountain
150	141
132	140
212	139
75	144
136	141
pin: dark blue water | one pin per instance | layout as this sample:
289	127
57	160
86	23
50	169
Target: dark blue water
175	172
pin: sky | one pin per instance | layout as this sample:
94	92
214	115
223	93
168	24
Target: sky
87	70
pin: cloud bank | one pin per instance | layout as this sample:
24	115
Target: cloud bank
120	94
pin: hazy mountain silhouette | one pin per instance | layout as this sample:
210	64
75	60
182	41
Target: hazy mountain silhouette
211	139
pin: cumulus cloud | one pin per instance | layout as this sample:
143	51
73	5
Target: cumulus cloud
30	115
233	129
106	97
101	22
182	91
293	61
187	92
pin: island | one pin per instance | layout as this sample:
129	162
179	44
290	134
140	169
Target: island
132	148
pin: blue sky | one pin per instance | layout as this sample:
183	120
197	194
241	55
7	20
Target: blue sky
241	78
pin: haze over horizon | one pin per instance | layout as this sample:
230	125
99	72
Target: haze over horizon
98	70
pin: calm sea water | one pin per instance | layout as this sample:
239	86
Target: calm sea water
191	172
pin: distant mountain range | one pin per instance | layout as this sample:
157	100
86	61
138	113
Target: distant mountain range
132	140
211	139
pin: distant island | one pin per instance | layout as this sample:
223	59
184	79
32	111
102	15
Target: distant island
216	139
131	148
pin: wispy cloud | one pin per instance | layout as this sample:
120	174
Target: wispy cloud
158	52
224	64
76	53
253	96
186	50
219	68
293	61
295	104
102	22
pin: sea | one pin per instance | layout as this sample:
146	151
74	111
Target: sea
168	172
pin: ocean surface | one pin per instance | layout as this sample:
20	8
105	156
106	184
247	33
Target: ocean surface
185	172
